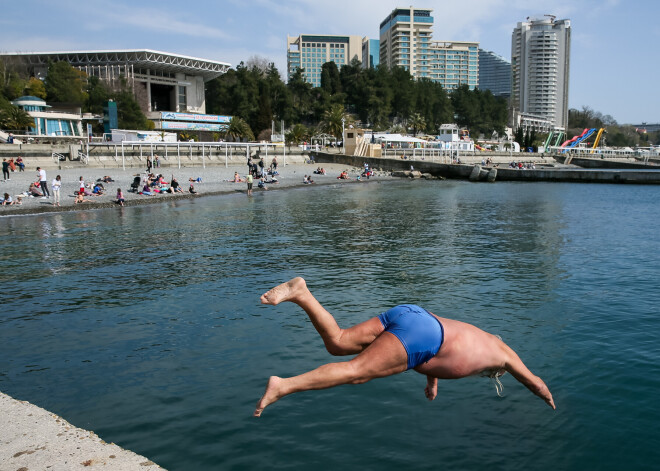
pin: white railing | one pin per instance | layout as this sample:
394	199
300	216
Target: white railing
184	150
57	158
84	158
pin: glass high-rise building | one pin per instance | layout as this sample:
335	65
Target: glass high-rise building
494	74
406	41
310	52
370	53
540	59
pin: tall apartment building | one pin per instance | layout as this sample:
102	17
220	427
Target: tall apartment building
455	63
540	58
494	74
406	41
370	53
310	52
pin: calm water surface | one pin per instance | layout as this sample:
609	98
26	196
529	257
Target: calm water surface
144	324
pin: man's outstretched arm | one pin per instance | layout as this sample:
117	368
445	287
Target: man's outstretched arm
518	370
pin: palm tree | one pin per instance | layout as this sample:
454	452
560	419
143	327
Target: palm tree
238	130
297	134
417	123
332	121
15	118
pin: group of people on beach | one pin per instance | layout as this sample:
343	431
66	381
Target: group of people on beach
156	184
259	169
10	166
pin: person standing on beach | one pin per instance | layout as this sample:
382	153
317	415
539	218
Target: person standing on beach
43	183
81	189
57	185
5	170
149	164
249	180
273	163
402	338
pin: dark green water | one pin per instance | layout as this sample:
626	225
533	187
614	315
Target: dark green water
144	324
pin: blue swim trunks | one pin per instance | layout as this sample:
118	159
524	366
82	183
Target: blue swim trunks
418	330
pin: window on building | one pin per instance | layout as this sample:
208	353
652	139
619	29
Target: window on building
183	105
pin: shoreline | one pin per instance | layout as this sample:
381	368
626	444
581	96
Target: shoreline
214	182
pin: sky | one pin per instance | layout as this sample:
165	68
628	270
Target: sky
612	67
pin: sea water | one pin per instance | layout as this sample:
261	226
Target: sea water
144	324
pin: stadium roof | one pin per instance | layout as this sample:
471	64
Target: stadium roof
139	58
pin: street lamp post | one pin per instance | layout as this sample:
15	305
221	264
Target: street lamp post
343	136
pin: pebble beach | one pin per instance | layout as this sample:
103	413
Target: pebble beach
214	181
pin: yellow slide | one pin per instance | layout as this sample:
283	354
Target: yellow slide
600	133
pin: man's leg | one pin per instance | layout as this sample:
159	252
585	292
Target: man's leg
385	356
337	341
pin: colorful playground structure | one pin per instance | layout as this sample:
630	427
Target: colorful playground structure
586	134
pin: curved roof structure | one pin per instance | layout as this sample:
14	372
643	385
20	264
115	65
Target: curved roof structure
138	58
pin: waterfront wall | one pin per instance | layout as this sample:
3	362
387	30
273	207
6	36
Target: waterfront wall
456	171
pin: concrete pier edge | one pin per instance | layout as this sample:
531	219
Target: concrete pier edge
31	438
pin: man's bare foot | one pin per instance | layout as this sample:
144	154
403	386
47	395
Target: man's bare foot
271	395
288	291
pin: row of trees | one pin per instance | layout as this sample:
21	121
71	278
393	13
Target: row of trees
380	98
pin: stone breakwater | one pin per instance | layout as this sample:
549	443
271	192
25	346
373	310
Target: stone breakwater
545	172
33	438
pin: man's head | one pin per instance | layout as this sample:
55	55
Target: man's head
38	168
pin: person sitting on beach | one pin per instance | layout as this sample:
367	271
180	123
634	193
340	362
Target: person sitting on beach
120	197
343	176
105	179
6	201
192	190
272	180
237	178
262	183
317	171
98	189
175	187
80	198
147	191
34	190
307	180
402	338
195	180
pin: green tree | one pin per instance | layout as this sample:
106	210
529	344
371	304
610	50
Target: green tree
238	130
65	84
332	121
297	134
98	95
417	123
301	93
14	118
129	113
35	87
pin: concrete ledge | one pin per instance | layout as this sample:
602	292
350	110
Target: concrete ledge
649	175
32	438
